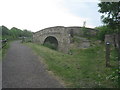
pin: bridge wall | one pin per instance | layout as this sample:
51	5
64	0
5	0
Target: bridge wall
60	33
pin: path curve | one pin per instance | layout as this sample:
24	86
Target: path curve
22	69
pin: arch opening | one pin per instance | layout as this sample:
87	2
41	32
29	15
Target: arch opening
51	42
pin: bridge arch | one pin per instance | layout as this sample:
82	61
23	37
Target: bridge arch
59	36
51	42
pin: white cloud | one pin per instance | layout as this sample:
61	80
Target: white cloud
37	14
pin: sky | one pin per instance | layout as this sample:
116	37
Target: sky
35	15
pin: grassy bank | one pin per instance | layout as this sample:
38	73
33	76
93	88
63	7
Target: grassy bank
85	68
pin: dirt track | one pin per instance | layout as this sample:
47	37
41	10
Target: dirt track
22	69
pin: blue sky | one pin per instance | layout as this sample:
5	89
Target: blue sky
85	10
35	15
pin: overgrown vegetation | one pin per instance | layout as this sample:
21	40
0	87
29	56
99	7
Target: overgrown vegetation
85	68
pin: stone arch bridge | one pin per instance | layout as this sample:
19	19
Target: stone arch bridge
59	35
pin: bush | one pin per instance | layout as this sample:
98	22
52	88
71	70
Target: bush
103	30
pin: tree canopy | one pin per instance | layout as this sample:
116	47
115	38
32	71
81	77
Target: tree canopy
14	33
111	14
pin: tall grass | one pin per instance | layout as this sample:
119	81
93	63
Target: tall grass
85	68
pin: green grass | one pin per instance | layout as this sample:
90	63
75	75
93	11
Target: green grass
85	68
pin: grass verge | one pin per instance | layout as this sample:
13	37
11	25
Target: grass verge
84	69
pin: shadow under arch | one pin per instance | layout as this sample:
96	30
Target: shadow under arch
51	42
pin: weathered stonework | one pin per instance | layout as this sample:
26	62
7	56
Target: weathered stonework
62	34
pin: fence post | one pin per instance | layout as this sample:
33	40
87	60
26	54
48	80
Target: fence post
107	54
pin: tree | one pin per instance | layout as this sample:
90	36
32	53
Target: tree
5	30
111	17
14	33
102	31
111	12
27	33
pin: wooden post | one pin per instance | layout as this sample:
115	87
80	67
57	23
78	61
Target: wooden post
107	54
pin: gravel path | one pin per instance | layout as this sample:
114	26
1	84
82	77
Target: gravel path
22	69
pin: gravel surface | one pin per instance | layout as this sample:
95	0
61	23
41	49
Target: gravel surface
22	69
